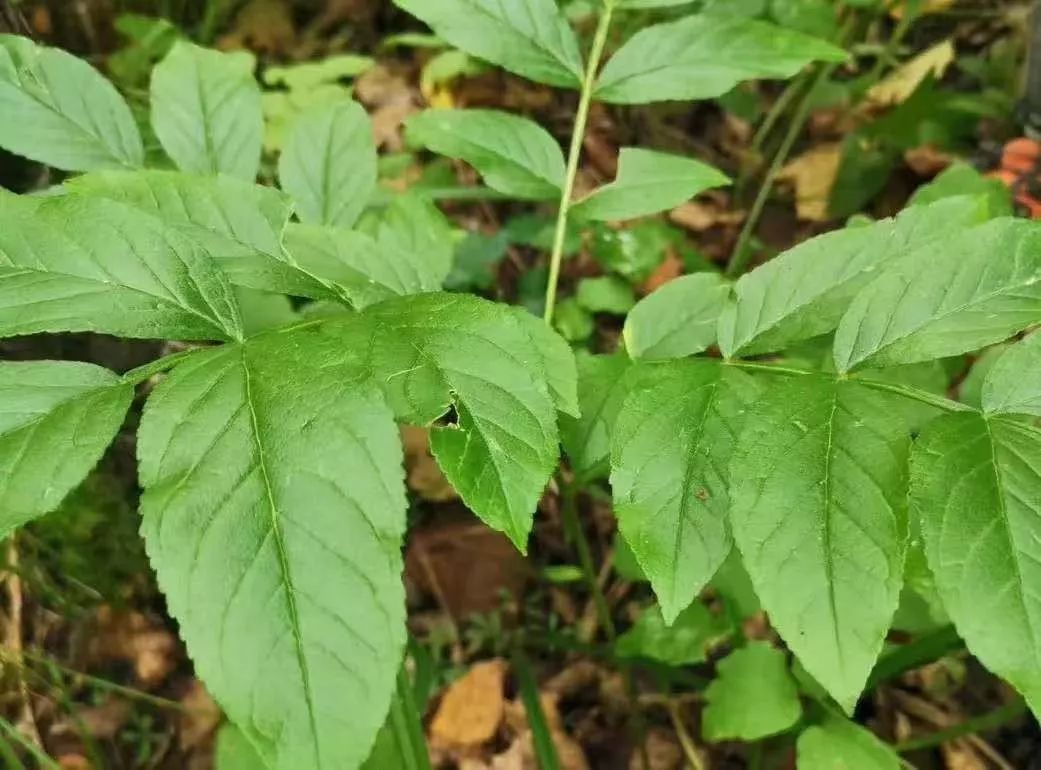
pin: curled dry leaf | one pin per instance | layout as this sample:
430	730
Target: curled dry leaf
897	87
471	709
700	216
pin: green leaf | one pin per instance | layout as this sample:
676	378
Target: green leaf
309	75
602	388
670	447
678	319
206	111
818	485
273	513
438	351
976	486
60	111
625	5
648	182
516	156
262	311
804	292
962	179
1013	385
945	298
557	359
359	269
605	294
57	419
704	56
238	223
756	674
328	163
527	37
235	752
400	743
685	642
76	263
839	744
413	224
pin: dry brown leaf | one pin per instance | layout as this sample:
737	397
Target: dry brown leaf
663	752
928	160
521	754
465	565
700	216
670	269
101	722
472	707
962	756
137	639
812	175
201	717
73	762
424	474
902	82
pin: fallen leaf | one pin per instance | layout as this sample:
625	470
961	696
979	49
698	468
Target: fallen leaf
962	756
897	87
521	753
812	175
73	762
928	160
930	6
663	752
670	269
465	565
102	722
264	26
424	474
200	718
472	707
137	639
700	216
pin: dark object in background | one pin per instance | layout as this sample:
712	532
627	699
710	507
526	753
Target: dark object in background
11	19
16	174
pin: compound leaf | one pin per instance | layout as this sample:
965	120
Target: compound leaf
273	513
1013	384
206	111
528	37
818	485
976	487
945	298
328	164
240	224
804	292
839	744
648	182
671	444
757	673
60	111
361	270
57	419
603	385
678	319
438	353
704	56
516	156
76	263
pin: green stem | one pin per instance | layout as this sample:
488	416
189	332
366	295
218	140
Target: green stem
777	110
911	13
574	154
981	724
404	720
142	373
925	649
573	526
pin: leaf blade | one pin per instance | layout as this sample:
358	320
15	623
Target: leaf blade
678	319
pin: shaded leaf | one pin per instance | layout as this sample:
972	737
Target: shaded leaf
677	320
1013	386
755	674
839	744
685	642
602	387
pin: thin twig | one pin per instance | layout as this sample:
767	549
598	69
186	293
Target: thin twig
13	647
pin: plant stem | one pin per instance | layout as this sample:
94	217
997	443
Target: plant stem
777	110
925	649
578	134
573	526
980	724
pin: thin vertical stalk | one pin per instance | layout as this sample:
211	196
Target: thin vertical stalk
578	135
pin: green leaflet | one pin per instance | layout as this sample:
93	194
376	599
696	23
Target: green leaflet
557	362
839	744
804	292
753	696
60	111
678	319
1013	384
648	182
413	224
273	513
946	298
206	111
240	224
328	163
57	419
603	384
77	263
431	352
605	294
516	156
704	56
670	448
818	485
641	4
359	269
962	179
234	751
528	37
684	642
976	486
